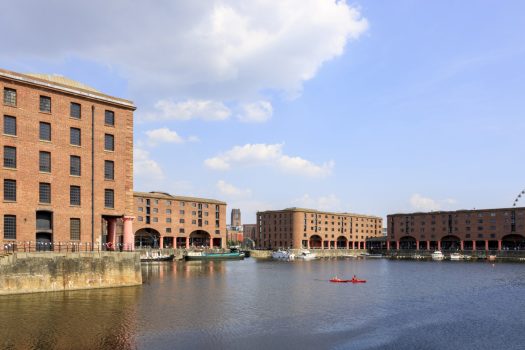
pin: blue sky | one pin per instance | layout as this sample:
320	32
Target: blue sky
369	107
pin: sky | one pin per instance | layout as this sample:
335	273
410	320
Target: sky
372	107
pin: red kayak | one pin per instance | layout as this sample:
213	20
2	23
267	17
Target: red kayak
353	280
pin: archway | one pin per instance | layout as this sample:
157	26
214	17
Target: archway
450	242
342	242
147	238
513	242
200	238
44	241
407	242
316	242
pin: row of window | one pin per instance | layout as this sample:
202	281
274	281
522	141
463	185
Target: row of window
44	163
44	194
168	211
10	229
75	134
75	110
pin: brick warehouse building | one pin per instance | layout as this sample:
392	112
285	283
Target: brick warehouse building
67	174
307	228
485	229
168	221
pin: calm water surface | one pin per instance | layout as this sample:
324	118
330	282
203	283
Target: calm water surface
275	305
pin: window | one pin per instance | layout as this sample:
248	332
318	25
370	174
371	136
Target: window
109	170
74	195
75	110
168	211
9	125
44	192
181	230
9	190
74	229
155	219
45	104
168	229
141	209
181	212
194	222
9	157
109	142
45	131
9	97
141	218
181	221
109	118
44	162
74	166
74	136
168	220
155	210
9	227
109	198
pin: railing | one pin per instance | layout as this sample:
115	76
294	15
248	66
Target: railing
31	247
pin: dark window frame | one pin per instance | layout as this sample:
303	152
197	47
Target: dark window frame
45	104
44	190
9	127
44	131
10	190
73	136
109	170
10	97
109	198
10	157
75	229
75	195
75	169
9	226
75	110
44	161
107	145
109	118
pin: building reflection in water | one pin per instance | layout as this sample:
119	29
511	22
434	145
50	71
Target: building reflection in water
90	319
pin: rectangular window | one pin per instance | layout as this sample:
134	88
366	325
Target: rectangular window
109	170
141	218
9	125
9	157
74	195
44	162
9	227
75	110
44	192
181	221
109	198
9	97
155	219
168	229
109	118
74	166
74	136
45	131
168	211
9	190
45	104
109	142
168	220
181	230
74	229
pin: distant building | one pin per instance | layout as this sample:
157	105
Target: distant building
250	231
236	218
170	221
484	229
308	228
67	172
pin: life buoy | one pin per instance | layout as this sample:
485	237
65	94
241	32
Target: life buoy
109	245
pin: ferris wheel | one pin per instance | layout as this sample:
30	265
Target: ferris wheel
518	198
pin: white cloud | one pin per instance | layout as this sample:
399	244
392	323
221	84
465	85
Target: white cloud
189	109
328	203
419	202
221	50
256	112
144	167
165	135
230	190
268	155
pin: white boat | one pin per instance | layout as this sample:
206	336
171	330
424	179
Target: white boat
456	256
437	255
306	255
283	255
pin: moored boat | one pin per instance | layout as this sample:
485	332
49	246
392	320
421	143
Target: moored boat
456	256
437	255
154	256
200	255
353	280
306	255
283	255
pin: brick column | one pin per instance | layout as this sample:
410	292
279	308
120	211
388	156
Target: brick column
439	245
387	245
473	245
161	242
499	244
129	237
487	245
187	242
428	245
417	245
462	244
397	245
211	242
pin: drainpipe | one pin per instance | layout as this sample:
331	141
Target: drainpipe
92	177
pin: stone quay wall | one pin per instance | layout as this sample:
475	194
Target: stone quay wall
322	253
49	271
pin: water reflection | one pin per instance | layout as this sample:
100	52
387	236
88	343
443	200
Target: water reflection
92	319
